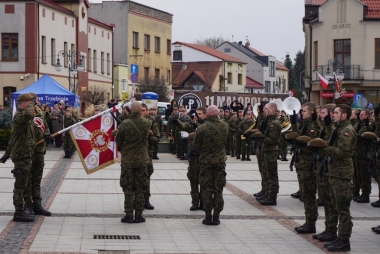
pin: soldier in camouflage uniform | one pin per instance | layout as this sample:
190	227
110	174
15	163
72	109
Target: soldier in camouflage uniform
185	118
283	145
32	193
132	138
210	140
68	145
307	183
170	130
227	118
340	176
238	134
153	112
231	133
361	159
21	148
269	150
245	144
152	141
124	114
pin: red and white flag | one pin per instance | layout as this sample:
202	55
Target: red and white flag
323	81
337	89
95	144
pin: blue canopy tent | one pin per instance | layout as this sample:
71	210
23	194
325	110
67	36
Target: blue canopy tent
49	91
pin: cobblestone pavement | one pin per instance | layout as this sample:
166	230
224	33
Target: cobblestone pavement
87	210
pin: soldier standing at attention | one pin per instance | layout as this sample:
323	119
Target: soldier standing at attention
153	112
32	193
209	140
269	149
238	133
245	144
185	118
132	138
171	130
340	176
227	118
231	133
21	148
68	145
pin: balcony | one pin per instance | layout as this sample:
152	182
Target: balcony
351	72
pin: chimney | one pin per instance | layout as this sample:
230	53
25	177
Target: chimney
240	43
247	44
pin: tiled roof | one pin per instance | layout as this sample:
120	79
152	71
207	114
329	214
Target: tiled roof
373	7
281	67
257	52
250	83
206	71
55	6
210	51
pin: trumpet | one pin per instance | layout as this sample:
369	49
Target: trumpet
253	126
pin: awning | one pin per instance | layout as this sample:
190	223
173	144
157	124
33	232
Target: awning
330	94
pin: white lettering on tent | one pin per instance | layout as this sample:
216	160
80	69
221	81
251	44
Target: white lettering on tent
56	98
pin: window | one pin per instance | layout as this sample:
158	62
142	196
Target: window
157	74
240	66
135	38
146	74
177	55
272	69
229	65
43	49
102	62
89	60
227	50
168	47
342	51
52	52
65	60
146	41
229	78
9	45
157	44
108	64
377	53
315	55
267	86
94	57
240	79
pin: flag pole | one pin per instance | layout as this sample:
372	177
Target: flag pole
82	122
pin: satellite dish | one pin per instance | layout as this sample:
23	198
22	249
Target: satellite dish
362	102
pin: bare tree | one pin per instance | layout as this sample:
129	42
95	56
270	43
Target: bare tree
212	42
157	86
94	95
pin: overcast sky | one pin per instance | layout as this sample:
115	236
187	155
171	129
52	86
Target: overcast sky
273	27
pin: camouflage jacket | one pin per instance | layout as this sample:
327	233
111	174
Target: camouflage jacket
39	132
170	127
211	143
133	142
232	125
237	123
355	124
155	138
272	134
362	145
341	152
22	141
245	124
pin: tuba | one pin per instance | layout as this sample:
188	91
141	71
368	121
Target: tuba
285	125
290	104
253	126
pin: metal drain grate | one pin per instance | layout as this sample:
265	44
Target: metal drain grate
117	237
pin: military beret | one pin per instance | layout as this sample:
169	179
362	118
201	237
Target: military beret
26	97
369	135
292	135
34	96
191	136
317	142
258	135
304	139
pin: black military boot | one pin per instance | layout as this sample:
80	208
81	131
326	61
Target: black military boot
39	210
364	198
22	216
182	157
329	236
128	218
208	218
376	204
200	207
139	217
259	194
67	155
315	236
357	197
248	159
340	245
356	194
374	228
262	197
301	199
227	152
243	158
296	194
155	156
238	156
306	229
174	151
194	207
268	201
296	228
148	205
29	209
284	157
319	202
215	218
232	155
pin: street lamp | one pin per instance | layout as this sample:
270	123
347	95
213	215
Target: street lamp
73	66
337	74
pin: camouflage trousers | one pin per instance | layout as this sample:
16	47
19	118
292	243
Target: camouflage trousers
228	143
270	173
357	178
21	180
237	145
177	143
308	187
150	171
193	176
155	149
183	146
264	184
331	214
232	143
133	181
282	145
212	179
365	175
245	147
32	192
68	144
341	196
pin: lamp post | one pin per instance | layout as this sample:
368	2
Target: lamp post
301	79
72	64
337	74
281	80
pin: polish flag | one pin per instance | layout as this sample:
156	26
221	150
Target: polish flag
323	81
